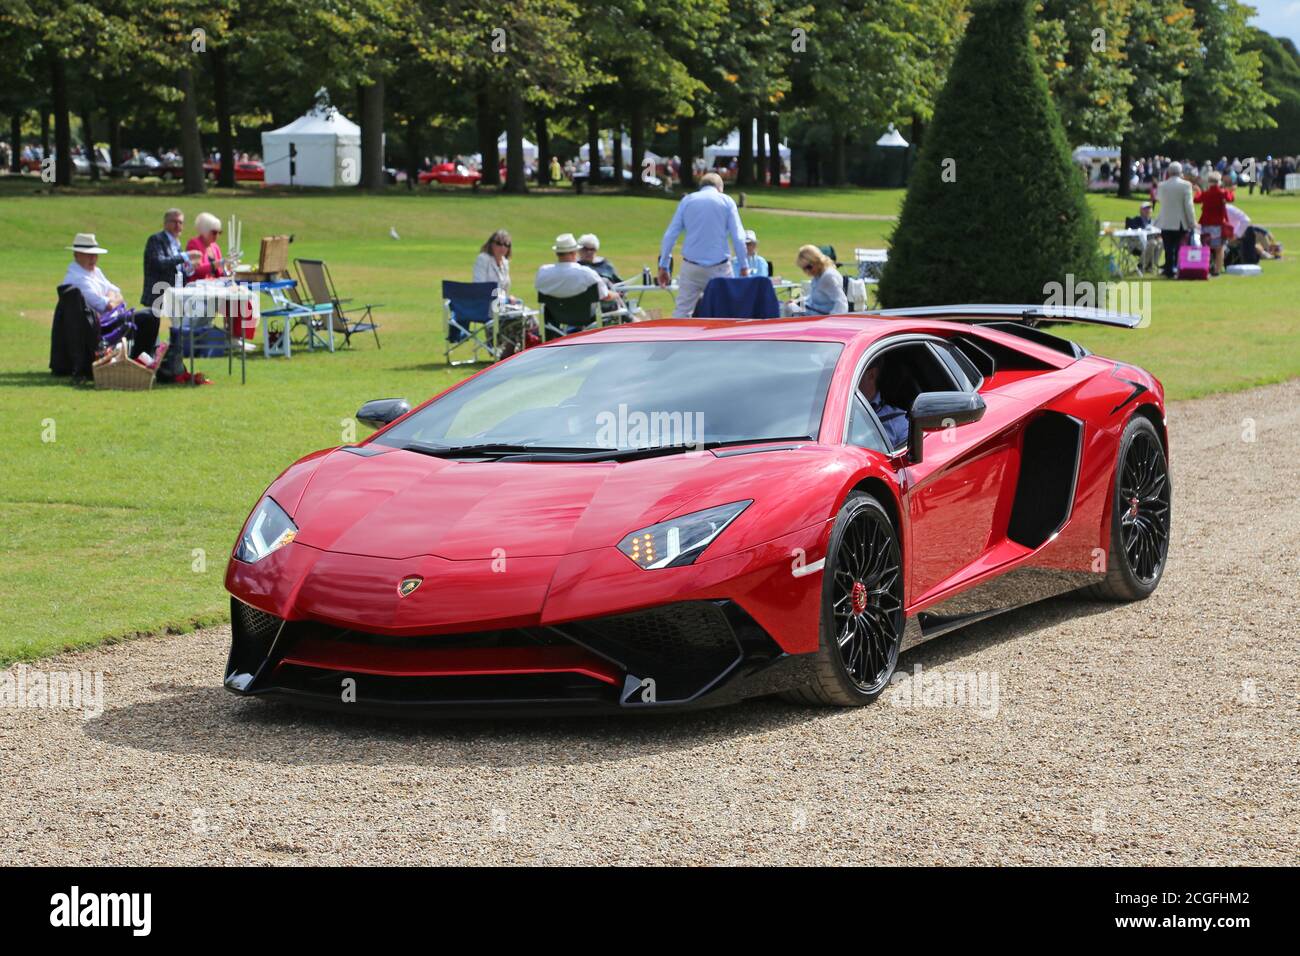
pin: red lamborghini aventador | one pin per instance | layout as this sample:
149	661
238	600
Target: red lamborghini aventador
686	513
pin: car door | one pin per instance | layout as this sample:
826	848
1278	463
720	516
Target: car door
956	495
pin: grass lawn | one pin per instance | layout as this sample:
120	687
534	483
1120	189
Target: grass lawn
122	523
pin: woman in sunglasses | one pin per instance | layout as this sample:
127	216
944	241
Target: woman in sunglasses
826	297
493	262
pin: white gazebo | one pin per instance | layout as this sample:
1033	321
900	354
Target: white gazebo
730	146
530	149
892	139
326	149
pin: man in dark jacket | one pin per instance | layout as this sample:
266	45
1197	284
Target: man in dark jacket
163	258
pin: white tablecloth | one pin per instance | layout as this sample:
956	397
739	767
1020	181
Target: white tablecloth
209	300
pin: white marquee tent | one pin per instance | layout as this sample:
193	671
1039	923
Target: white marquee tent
530	149
607	149
731	147
327	146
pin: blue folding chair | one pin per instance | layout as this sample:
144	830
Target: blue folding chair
470	309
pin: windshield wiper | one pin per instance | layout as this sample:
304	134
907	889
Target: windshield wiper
490	449
655	451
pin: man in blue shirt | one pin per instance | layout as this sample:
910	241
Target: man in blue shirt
709	220
757	264
893	419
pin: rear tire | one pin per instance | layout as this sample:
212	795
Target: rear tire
862	609
1140	516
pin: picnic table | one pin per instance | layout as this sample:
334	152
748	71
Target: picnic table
1125	241
196	306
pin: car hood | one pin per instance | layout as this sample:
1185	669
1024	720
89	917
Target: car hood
401	504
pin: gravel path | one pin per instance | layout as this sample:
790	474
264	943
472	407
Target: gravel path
1163	732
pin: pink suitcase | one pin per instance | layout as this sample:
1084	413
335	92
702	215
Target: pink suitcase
1194	262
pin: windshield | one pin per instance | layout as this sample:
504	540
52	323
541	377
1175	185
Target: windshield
633	395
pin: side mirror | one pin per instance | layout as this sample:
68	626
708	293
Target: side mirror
932	411
381	411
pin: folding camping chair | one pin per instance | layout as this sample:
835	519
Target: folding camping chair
563	316
470	311
314	276
871	266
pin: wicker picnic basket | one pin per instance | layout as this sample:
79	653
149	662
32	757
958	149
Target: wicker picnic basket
124	376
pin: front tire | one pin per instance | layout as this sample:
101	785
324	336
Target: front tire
862	608
1140	513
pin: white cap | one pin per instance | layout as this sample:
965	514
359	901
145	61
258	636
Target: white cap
588	240
751	237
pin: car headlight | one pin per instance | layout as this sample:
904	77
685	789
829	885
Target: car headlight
268	530
678	541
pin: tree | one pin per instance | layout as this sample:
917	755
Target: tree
1082	50
1223	90
1280	76
995	209
1160	45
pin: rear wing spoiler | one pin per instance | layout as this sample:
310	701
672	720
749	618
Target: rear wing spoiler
1030	315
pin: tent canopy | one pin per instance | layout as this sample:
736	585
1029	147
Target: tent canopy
730	146
1086	154
313	123
607	149
530	148
892	139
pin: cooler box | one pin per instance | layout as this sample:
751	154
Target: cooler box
1194	262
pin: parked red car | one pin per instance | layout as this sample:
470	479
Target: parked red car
246	171
852	486
450	174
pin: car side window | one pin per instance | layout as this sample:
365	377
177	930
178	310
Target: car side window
963	370
864	430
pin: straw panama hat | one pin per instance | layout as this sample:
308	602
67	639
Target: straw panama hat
565	242
85	242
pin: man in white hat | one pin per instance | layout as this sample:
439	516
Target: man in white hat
709	220
102	296
757	264
589	256
566	276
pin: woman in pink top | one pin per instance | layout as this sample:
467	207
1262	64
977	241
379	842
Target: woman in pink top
210	265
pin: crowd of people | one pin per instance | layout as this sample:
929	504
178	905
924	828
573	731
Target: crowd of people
714	244
1222	227
1148	172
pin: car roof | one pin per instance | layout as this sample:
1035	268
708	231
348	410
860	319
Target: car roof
818	328
861	327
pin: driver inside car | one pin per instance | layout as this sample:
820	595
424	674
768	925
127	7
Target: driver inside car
894	420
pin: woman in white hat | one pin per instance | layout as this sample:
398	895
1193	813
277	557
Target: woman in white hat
105	299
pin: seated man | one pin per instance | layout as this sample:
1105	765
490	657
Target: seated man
588	247
102	297
757	264
567	277
893	419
